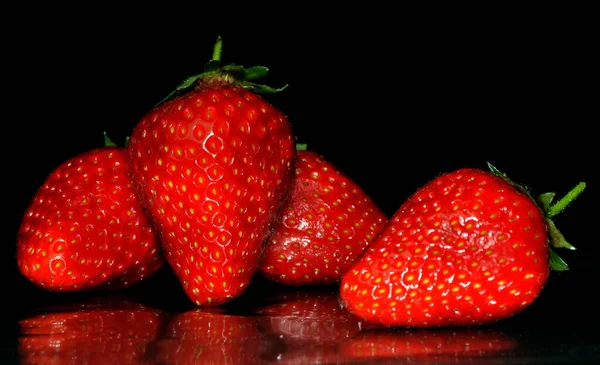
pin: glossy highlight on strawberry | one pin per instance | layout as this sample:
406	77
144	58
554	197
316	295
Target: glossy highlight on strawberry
85	229
469	247
212	167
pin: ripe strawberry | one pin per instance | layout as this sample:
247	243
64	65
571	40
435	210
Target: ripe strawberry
212	167
211	337
469	247
98	332
85	229
327	223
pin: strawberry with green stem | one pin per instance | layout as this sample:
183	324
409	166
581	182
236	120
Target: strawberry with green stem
212	164
469	247
556	239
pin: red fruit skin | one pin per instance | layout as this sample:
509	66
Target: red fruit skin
467	248
327	222
85	229
203	337
212	168
99	334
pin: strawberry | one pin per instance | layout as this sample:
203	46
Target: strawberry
212	165
326	224
85	229
97	332
469	247
210	336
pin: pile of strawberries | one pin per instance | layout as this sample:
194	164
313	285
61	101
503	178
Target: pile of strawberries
213	184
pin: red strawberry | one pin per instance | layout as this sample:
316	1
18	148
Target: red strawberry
85	229
210	337
212	167
327	223
102	332
469	247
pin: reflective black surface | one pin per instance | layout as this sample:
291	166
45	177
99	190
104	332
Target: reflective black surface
271	324
391	106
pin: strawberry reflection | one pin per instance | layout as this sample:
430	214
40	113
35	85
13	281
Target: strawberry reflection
210	336
312	328
428	346
308	327
102	331
302	319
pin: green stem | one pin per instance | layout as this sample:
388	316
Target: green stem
301	146
218	49
108	142
566	200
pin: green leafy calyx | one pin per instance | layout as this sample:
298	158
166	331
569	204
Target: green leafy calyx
109	142
301	146
550	210
215	72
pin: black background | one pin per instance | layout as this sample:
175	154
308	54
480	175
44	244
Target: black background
393	104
